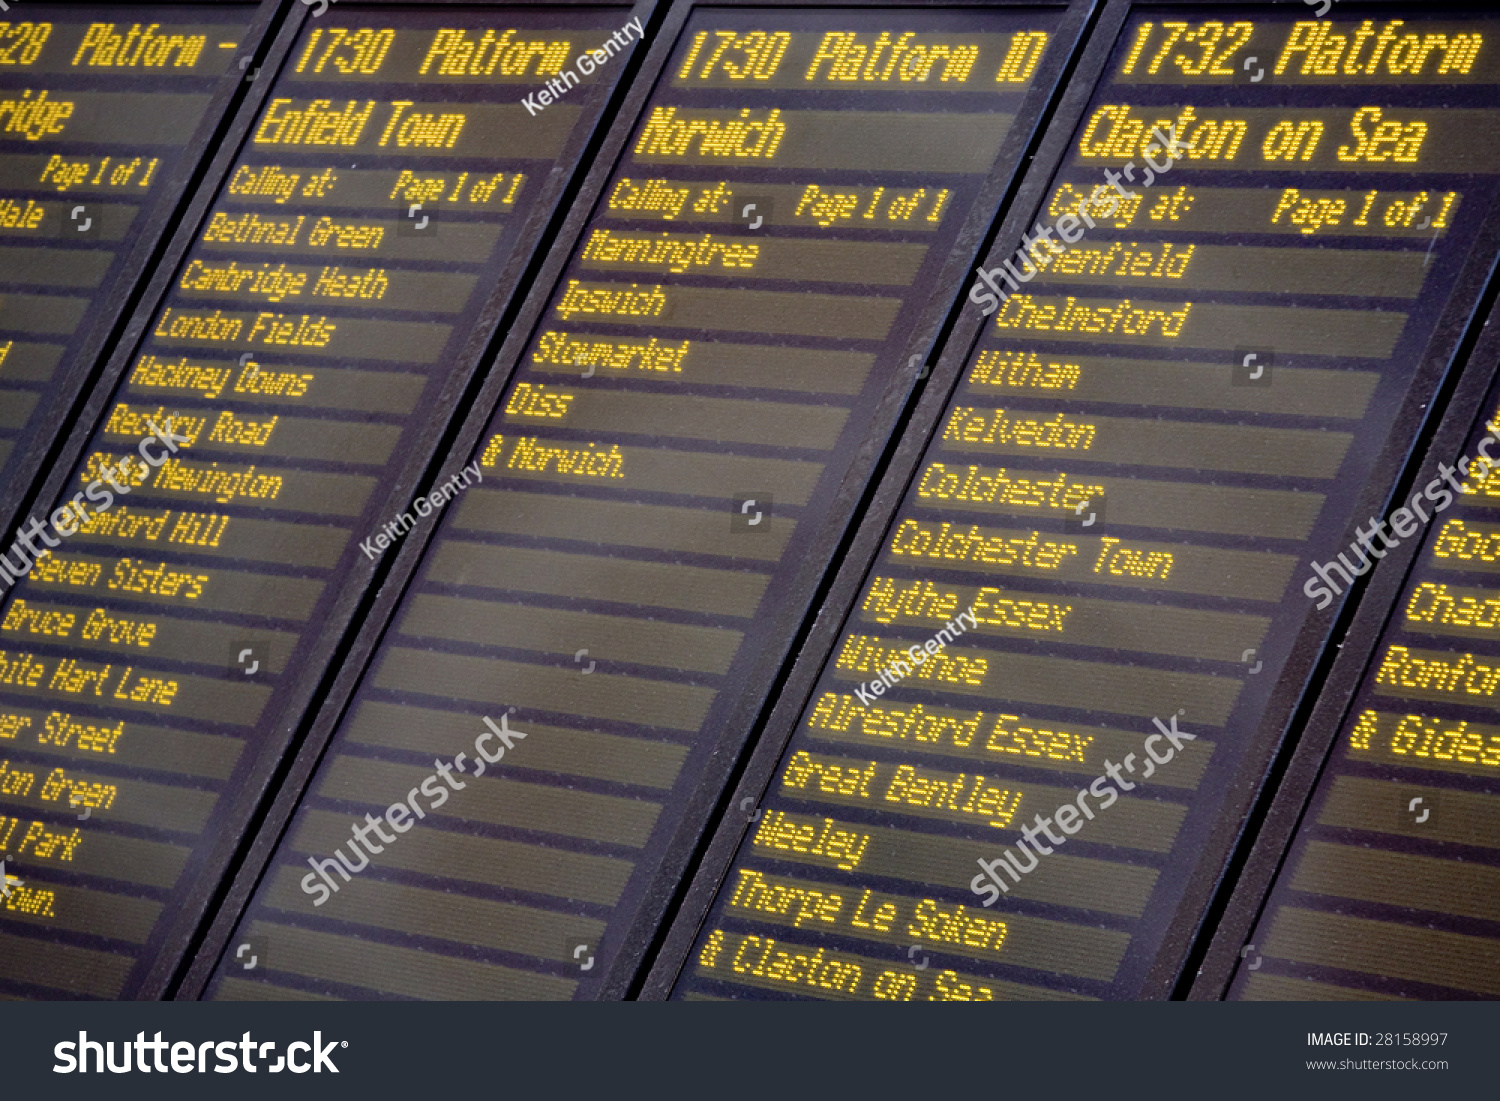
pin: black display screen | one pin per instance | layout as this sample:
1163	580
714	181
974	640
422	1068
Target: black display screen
1392	888
246	462
702	380
1043	696
96	107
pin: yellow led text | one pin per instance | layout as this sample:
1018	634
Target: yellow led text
1322	52
944	543
13	215
77	793
1214	43
529	454
25	42
1122	561
1420	736
719	134
65	175
1023	370
1464	675
1437	604
1467	544
1312	213
805	772
42	843
362	52
676	252
967	425
997	487
619	355
75	678
457	54
818	837
35	119
867	654
850	59
1113	131
1021	60
1369	145
938	727
60	729
271	180
752	56
532	400
621	303
103	48
319	124
432	189
815	905
828	207
1022	312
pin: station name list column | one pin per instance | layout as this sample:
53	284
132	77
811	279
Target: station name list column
245	464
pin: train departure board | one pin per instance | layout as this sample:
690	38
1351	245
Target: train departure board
1392	888
176	610
97	105
656	475
1026	736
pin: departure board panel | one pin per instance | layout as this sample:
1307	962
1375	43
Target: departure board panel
97	104
248	463
655	476
1392	888
1042	697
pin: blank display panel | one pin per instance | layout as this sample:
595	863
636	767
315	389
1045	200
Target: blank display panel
147	659
1392	887
96	107
706	369
1042	699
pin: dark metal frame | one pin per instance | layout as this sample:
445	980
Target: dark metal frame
304	689
1272	844
155	248
794	603
1248	794
366	598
